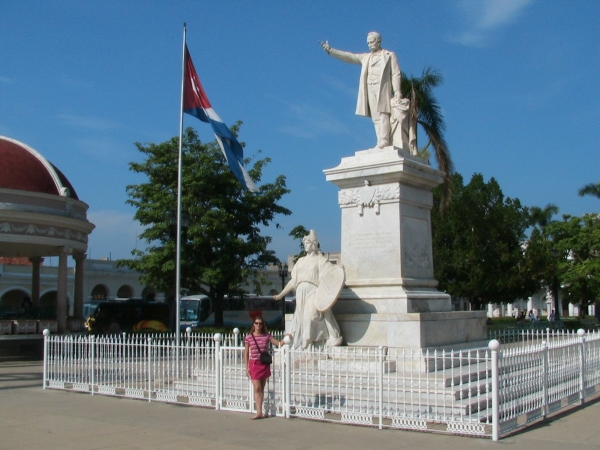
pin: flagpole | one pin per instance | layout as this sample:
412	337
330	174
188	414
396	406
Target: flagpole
178	254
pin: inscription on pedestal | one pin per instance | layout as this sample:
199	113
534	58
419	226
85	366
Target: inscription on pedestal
417	243
371	241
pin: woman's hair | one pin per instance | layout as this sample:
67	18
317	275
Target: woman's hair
263	328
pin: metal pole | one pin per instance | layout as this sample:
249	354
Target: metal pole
217	338
287	377
556	309
179	176
494	346
581	334
149	363
381	368
92	342
545	351
46	334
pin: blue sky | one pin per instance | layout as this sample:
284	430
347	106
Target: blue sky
81	81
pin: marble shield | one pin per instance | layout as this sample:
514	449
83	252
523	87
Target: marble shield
330	287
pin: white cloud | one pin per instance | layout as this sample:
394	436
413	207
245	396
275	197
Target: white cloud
310	121
115	236
341	87
69	81
500	12
484	17
87	122
103	148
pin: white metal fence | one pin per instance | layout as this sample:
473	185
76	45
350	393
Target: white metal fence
481	392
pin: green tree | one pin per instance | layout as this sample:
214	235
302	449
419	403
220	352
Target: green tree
223	245
478	244
298	234
541	261
540	217
592	189
425	112
577	241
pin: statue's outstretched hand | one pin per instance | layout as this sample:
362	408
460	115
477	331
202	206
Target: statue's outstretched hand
325	46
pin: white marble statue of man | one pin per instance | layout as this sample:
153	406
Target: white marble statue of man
380	79
310	325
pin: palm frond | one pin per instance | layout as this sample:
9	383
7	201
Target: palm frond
426	112
592	189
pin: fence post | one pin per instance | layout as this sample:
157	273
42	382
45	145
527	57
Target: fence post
545	355
287	382
494	346
46	333
236	333
217	338
581	334
92	361
188	333
380	387
149	359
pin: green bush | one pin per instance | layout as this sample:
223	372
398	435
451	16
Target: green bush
575	323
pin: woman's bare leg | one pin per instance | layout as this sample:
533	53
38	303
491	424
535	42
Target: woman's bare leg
259	393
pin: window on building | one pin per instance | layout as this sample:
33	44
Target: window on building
99	292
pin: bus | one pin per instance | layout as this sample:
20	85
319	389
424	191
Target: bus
90	306
127	316
193	310
239	311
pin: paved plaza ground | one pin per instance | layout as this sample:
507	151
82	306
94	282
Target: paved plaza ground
31	417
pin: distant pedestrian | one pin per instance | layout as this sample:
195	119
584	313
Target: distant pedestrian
552	316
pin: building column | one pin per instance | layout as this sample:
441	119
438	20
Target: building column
79	273
61	291
36	262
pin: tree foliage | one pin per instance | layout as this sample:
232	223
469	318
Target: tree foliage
478	244
540	217
592	189
298	233
426	112
223	245
576	241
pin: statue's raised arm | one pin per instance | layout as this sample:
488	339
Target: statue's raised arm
379	83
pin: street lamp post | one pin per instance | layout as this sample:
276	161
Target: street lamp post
172	222
283	274
556	254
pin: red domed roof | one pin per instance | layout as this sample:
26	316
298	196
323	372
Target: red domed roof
22	168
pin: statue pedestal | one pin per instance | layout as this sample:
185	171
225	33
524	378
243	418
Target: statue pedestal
390	297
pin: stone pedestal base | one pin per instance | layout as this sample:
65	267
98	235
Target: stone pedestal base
449	330
390	297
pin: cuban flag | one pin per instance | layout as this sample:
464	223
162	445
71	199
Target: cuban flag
196	103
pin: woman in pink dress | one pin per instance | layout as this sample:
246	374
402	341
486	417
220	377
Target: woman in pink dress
257	342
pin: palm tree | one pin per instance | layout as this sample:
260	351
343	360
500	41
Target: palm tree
425	111
542	216
592	189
